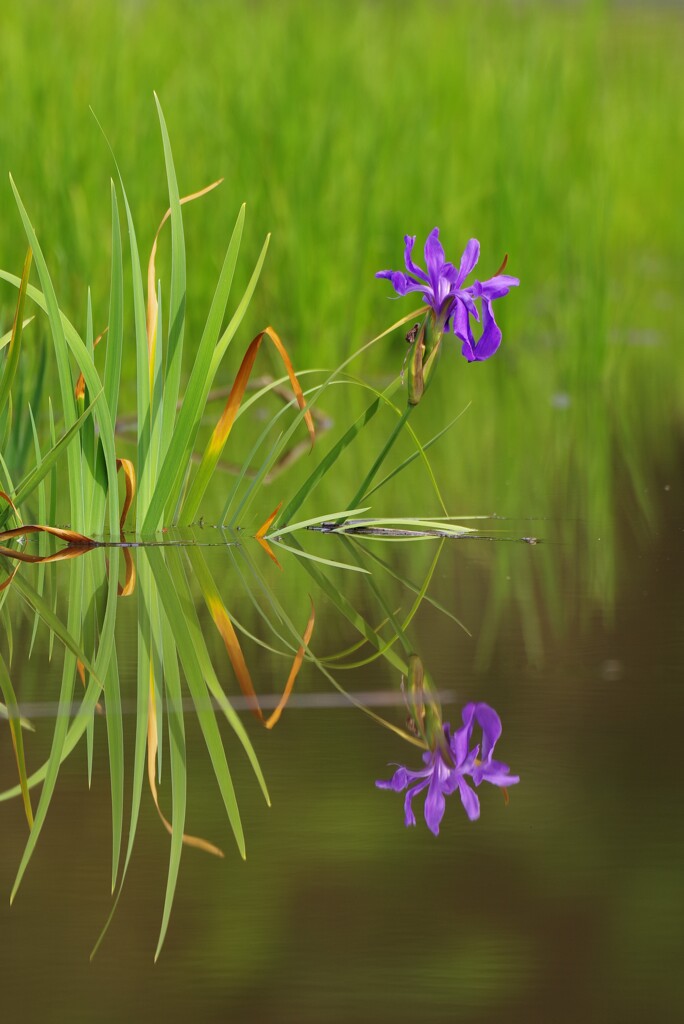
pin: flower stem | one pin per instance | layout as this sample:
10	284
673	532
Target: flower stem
373	471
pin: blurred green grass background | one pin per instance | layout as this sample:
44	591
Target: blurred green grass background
551	131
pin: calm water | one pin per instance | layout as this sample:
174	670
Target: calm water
567	904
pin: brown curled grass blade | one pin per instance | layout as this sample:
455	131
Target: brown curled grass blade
6	583
152	745
6	497
129	473
68	536
78	544
152	303
237	659
222	430
263	529
265	526
79	390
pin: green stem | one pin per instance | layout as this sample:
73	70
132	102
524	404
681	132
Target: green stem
373	471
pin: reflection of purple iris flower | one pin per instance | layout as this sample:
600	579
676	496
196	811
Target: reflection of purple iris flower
453	305
440	779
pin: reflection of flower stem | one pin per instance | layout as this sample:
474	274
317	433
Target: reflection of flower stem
373	471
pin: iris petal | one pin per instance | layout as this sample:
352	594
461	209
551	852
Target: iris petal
471	255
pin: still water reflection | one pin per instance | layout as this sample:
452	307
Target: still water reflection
567	903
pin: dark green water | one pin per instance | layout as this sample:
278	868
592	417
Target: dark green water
566	904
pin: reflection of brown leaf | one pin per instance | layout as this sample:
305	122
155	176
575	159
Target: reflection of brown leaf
152	744
129	582
237	660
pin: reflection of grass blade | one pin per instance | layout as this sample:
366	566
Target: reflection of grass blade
60	730
17	739
223	623
200	677
96	672
410	585
344	606
115	743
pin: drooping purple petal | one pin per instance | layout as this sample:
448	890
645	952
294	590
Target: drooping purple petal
398	781
496	773
469	799
489	340
495	288
409	816
434	803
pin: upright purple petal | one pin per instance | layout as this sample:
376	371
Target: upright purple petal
434	254
413	268
471	255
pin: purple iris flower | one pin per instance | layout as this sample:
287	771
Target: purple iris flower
442	287
441	779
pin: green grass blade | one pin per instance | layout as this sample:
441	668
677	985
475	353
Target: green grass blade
91	376
7	337
314	521
14	351
32	480
142	369
237	317
327	463
173	470
177	296
62	357
113	353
